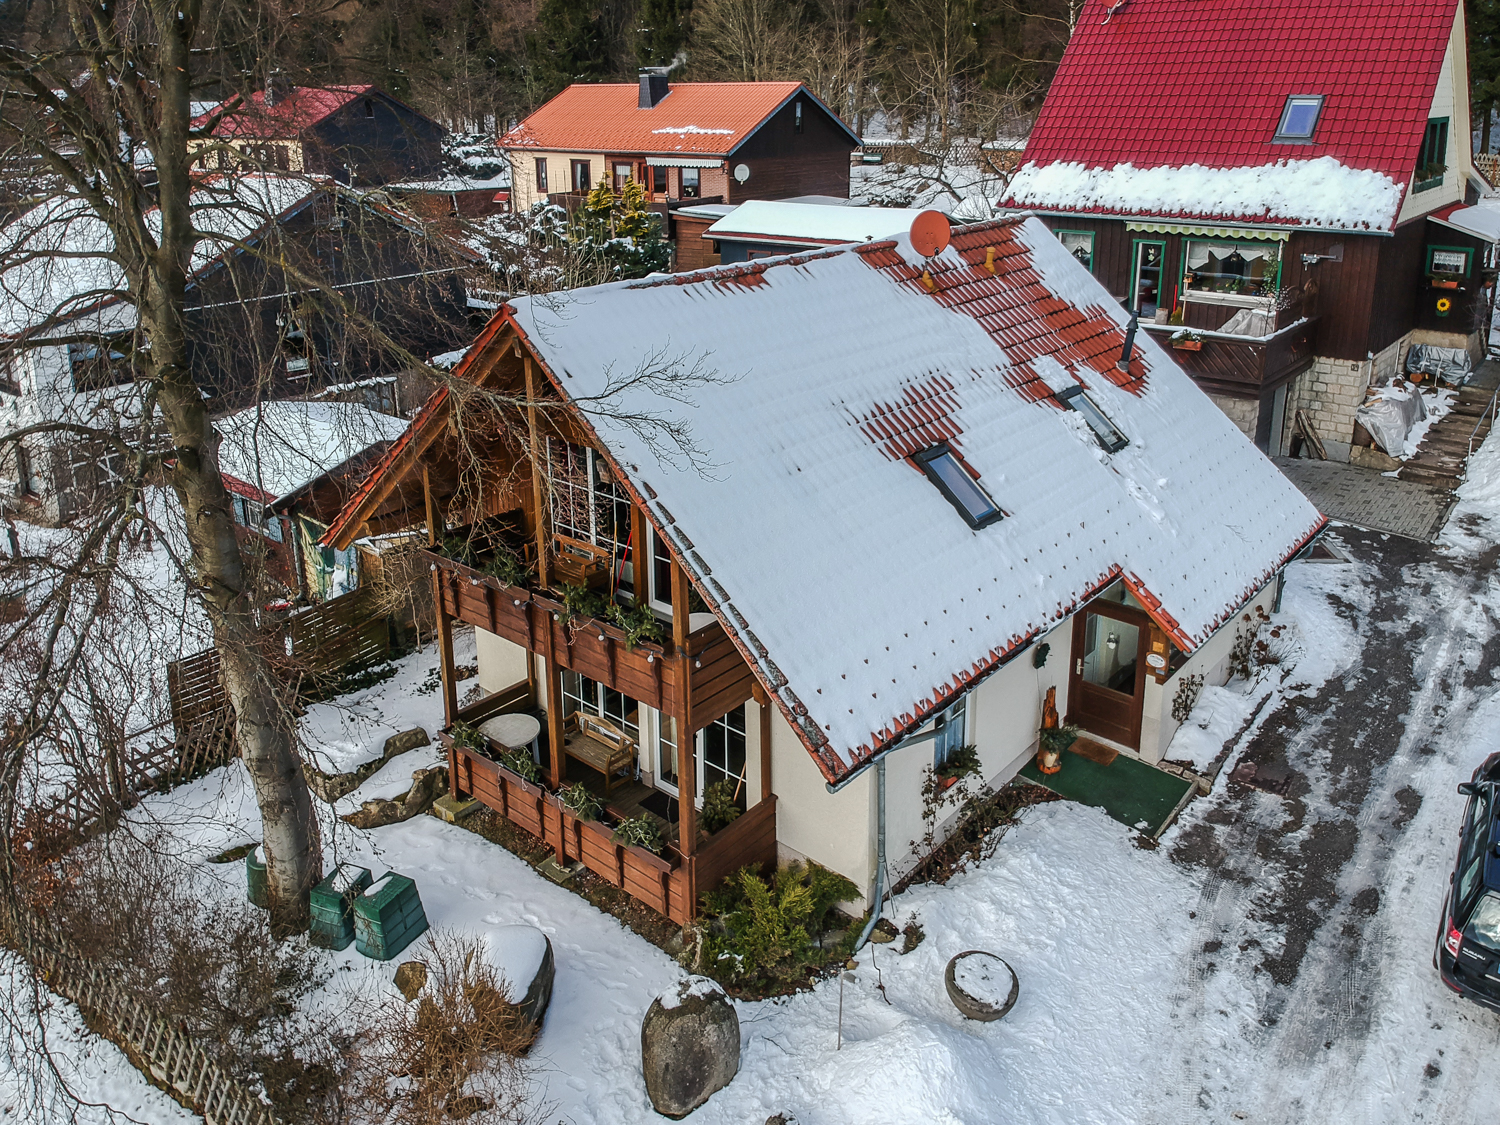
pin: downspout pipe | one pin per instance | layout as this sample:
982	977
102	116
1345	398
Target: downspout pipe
878	896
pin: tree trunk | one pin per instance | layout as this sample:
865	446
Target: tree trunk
264	723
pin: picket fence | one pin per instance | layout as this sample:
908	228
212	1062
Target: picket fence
153	1043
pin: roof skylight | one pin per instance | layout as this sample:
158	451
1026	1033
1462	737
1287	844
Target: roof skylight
954	481
1075	398
1299	117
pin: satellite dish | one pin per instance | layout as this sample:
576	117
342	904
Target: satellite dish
930	233
741	173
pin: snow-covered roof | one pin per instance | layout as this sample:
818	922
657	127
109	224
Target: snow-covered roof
53	261
1168	109
760	220
1481	221
1320	192
852	586
276	448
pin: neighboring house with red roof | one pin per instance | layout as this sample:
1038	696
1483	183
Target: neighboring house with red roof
915	479
1290	180
685	142
357	135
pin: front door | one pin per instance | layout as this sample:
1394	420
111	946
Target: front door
1146	292
1108	682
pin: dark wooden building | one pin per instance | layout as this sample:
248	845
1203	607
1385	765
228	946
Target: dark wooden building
357	135
1291	244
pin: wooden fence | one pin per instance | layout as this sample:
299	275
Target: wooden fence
158	1048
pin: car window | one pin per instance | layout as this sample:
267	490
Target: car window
1484	926
1468	885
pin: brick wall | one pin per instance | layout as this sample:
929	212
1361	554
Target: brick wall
1329	392
1243	412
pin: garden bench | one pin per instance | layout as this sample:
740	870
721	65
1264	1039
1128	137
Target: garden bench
599	743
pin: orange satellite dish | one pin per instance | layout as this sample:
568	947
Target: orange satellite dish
930	233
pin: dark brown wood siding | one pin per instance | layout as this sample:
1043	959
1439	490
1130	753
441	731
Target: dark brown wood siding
693	250
1349	320
784	163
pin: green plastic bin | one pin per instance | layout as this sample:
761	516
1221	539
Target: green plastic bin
388	916
255	878
332	906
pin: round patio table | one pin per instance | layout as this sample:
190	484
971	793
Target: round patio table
511	731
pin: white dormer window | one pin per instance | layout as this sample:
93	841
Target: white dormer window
1109	436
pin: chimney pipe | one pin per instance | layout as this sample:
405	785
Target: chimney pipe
653	85
1123	363
277	87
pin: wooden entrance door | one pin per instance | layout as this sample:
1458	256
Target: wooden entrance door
1107	688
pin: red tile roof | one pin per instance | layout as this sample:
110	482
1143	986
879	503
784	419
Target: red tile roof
1165	83
695	118
301	108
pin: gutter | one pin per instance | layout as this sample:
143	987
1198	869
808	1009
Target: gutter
1194	220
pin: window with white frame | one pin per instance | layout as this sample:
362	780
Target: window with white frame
1239	269
587	504
952	727
721	751
592	698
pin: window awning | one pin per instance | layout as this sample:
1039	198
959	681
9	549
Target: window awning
682	162
1211	232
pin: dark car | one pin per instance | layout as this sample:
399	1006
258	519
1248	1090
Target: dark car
1468	945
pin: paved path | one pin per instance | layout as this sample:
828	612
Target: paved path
1321	906
1365	498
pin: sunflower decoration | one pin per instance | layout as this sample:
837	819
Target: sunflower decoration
1443	305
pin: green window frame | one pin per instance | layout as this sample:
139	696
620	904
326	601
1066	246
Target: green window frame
1072	248
1432	160
1260	247
1466	251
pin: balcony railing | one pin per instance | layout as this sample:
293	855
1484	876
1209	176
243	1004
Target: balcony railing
1237	364
669	883
719	678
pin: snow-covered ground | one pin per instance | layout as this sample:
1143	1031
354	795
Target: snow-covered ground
1145	995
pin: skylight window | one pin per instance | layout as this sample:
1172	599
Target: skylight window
1300	117
1075	398
954	481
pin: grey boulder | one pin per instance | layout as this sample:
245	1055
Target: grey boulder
690	1046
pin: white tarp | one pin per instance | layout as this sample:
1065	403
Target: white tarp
1391	416
1478	221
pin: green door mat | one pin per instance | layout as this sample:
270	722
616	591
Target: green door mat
1127	789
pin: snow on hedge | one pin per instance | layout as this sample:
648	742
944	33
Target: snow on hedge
1319	193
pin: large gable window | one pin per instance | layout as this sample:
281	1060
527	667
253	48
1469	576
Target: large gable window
954	481
1299	118
1076	398
587	504
1432	161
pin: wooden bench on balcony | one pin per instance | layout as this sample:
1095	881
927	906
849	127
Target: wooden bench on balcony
599	743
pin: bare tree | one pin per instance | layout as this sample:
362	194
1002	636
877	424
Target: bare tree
98	130
747	40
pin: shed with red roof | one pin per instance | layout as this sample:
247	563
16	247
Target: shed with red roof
1288	182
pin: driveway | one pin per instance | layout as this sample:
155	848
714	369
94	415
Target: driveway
1320	890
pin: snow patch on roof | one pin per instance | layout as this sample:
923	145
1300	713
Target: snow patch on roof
1319	193
812	222
277	447
696	130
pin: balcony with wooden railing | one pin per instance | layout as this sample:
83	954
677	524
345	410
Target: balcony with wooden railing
1241	365
718	679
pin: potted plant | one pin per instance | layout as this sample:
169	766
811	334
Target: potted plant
520	762
1051	742
466	737
640	832
961	761
579	802
719	806
1187	340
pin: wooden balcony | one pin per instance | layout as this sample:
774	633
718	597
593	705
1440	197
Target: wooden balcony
718	677
669	883
1243	365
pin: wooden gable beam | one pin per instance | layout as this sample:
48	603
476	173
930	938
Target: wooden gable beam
401	460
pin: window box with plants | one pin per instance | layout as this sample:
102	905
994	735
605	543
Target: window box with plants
1187	340
961	762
